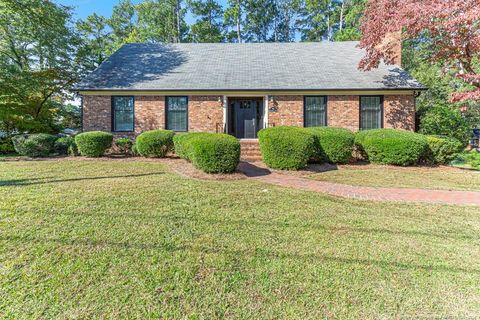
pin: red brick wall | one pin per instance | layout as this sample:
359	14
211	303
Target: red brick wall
289	111
97	113
205	114
343	112
399	112
149	113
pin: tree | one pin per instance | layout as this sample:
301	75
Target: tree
349	14
285	13
317	19
37	65
95	38
161	21
209	24
450	27
122	24
233	18
259	15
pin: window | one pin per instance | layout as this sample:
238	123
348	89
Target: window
371	112
177	109
122	113
315	109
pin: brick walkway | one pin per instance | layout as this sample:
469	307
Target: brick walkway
362	193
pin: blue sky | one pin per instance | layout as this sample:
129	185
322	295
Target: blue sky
83	8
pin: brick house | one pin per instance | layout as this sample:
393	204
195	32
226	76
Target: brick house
242	88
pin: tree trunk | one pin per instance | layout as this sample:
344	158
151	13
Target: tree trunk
177	13
239	17
341	15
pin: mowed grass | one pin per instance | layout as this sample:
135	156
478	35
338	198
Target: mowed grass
128	239
443	178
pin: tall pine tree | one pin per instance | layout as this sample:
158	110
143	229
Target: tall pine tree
209	24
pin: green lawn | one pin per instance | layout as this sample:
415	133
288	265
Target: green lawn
444	178
126	239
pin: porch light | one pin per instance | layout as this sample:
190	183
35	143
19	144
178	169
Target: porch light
220	99
271	98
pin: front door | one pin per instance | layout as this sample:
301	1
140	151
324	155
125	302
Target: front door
246	117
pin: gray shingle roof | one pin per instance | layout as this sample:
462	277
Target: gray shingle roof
250	66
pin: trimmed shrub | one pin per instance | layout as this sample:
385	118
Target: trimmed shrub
123	145
333	145
182	146
65	146
286	148
391	146
210	152
442	150
6	145
93	143
155	143
34	145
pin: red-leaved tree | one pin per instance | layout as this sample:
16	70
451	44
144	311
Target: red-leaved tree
452	26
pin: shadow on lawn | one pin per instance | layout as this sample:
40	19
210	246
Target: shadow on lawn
34	181
236	253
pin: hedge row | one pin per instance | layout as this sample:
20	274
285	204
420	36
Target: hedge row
333	145
291	148
390	146
288	148
210	152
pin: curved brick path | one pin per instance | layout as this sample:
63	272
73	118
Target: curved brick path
363	193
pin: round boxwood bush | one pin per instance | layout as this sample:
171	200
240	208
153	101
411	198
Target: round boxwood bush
155	143
333	145
34	145
391	146
442	150
286	148
93	143
182	145
213	152
65	145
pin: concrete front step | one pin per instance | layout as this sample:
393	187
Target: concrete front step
250	150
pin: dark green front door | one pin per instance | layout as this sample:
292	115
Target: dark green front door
246	117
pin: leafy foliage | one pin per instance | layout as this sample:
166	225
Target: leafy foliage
391	146
6	145
155	143
34	145
442	150
210	152
287	148
36	64
445	121
451	27
65	146
93	143
209	24
333	145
